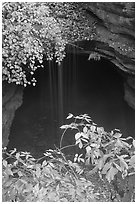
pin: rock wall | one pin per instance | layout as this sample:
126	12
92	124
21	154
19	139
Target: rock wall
129	87
114	38
11	100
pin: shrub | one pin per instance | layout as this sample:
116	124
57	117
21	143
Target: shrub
55	178
50	178
107	154
33	31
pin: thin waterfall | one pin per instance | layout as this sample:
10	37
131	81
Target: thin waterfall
53	97
60	94
56	97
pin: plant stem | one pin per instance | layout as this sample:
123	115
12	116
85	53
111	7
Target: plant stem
67	146
62	138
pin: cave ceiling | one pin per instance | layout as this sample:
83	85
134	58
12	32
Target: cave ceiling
115	33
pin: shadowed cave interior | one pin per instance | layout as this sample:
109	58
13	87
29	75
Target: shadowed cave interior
77	86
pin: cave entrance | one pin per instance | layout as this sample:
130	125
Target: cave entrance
77	86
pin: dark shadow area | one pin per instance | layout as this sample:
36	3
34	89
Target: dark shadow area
78	86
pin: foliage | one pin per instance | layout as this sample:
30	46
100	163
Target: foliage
49	179
106	153
34	30
108	157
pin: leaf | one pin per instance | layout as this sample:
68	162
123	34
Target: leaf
77	135
44	163
93	145
132	161
92	128
36	189
97	153
88	149
100	130
64	126
85	140
86	136
17	156
106	167
13	151
111	173
69	116
5	163
100	163
117	166
125	144
80	145
133	143
9	171
38	171
123	163
117	135
85	129
20	173
76	157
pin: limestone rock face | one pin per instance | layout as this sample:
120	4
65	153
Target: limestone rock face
130	91
11	100
115	32
114	38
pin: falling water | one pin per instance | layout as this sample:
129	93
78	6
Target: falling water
60	94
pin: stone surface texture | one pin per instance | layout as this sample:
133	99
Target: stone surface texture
114	39
11	100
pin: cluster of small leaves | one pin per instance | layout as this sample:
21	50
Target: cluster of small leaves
95	56
48	179
31	30
107	153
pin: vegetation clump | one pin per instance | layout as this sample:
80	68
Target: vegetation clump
33	30
108	162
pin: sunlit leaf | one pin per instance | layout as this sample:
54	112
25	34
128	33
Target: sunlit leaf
106	167
17	155
38	171
5	163
64	126
86	136
132	161
117	135
100	163
13	151
80	144
117	166
133	143
44	163
69	116
20	173
123	163
88	149
93	145
93	128
100	130
76	157
111	173
85	129
77	135
85	140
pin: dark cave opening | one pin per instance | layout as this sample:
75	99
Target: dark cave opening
78	86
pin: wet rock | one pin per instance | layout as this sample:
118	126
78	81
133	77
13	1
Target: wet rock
11	100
